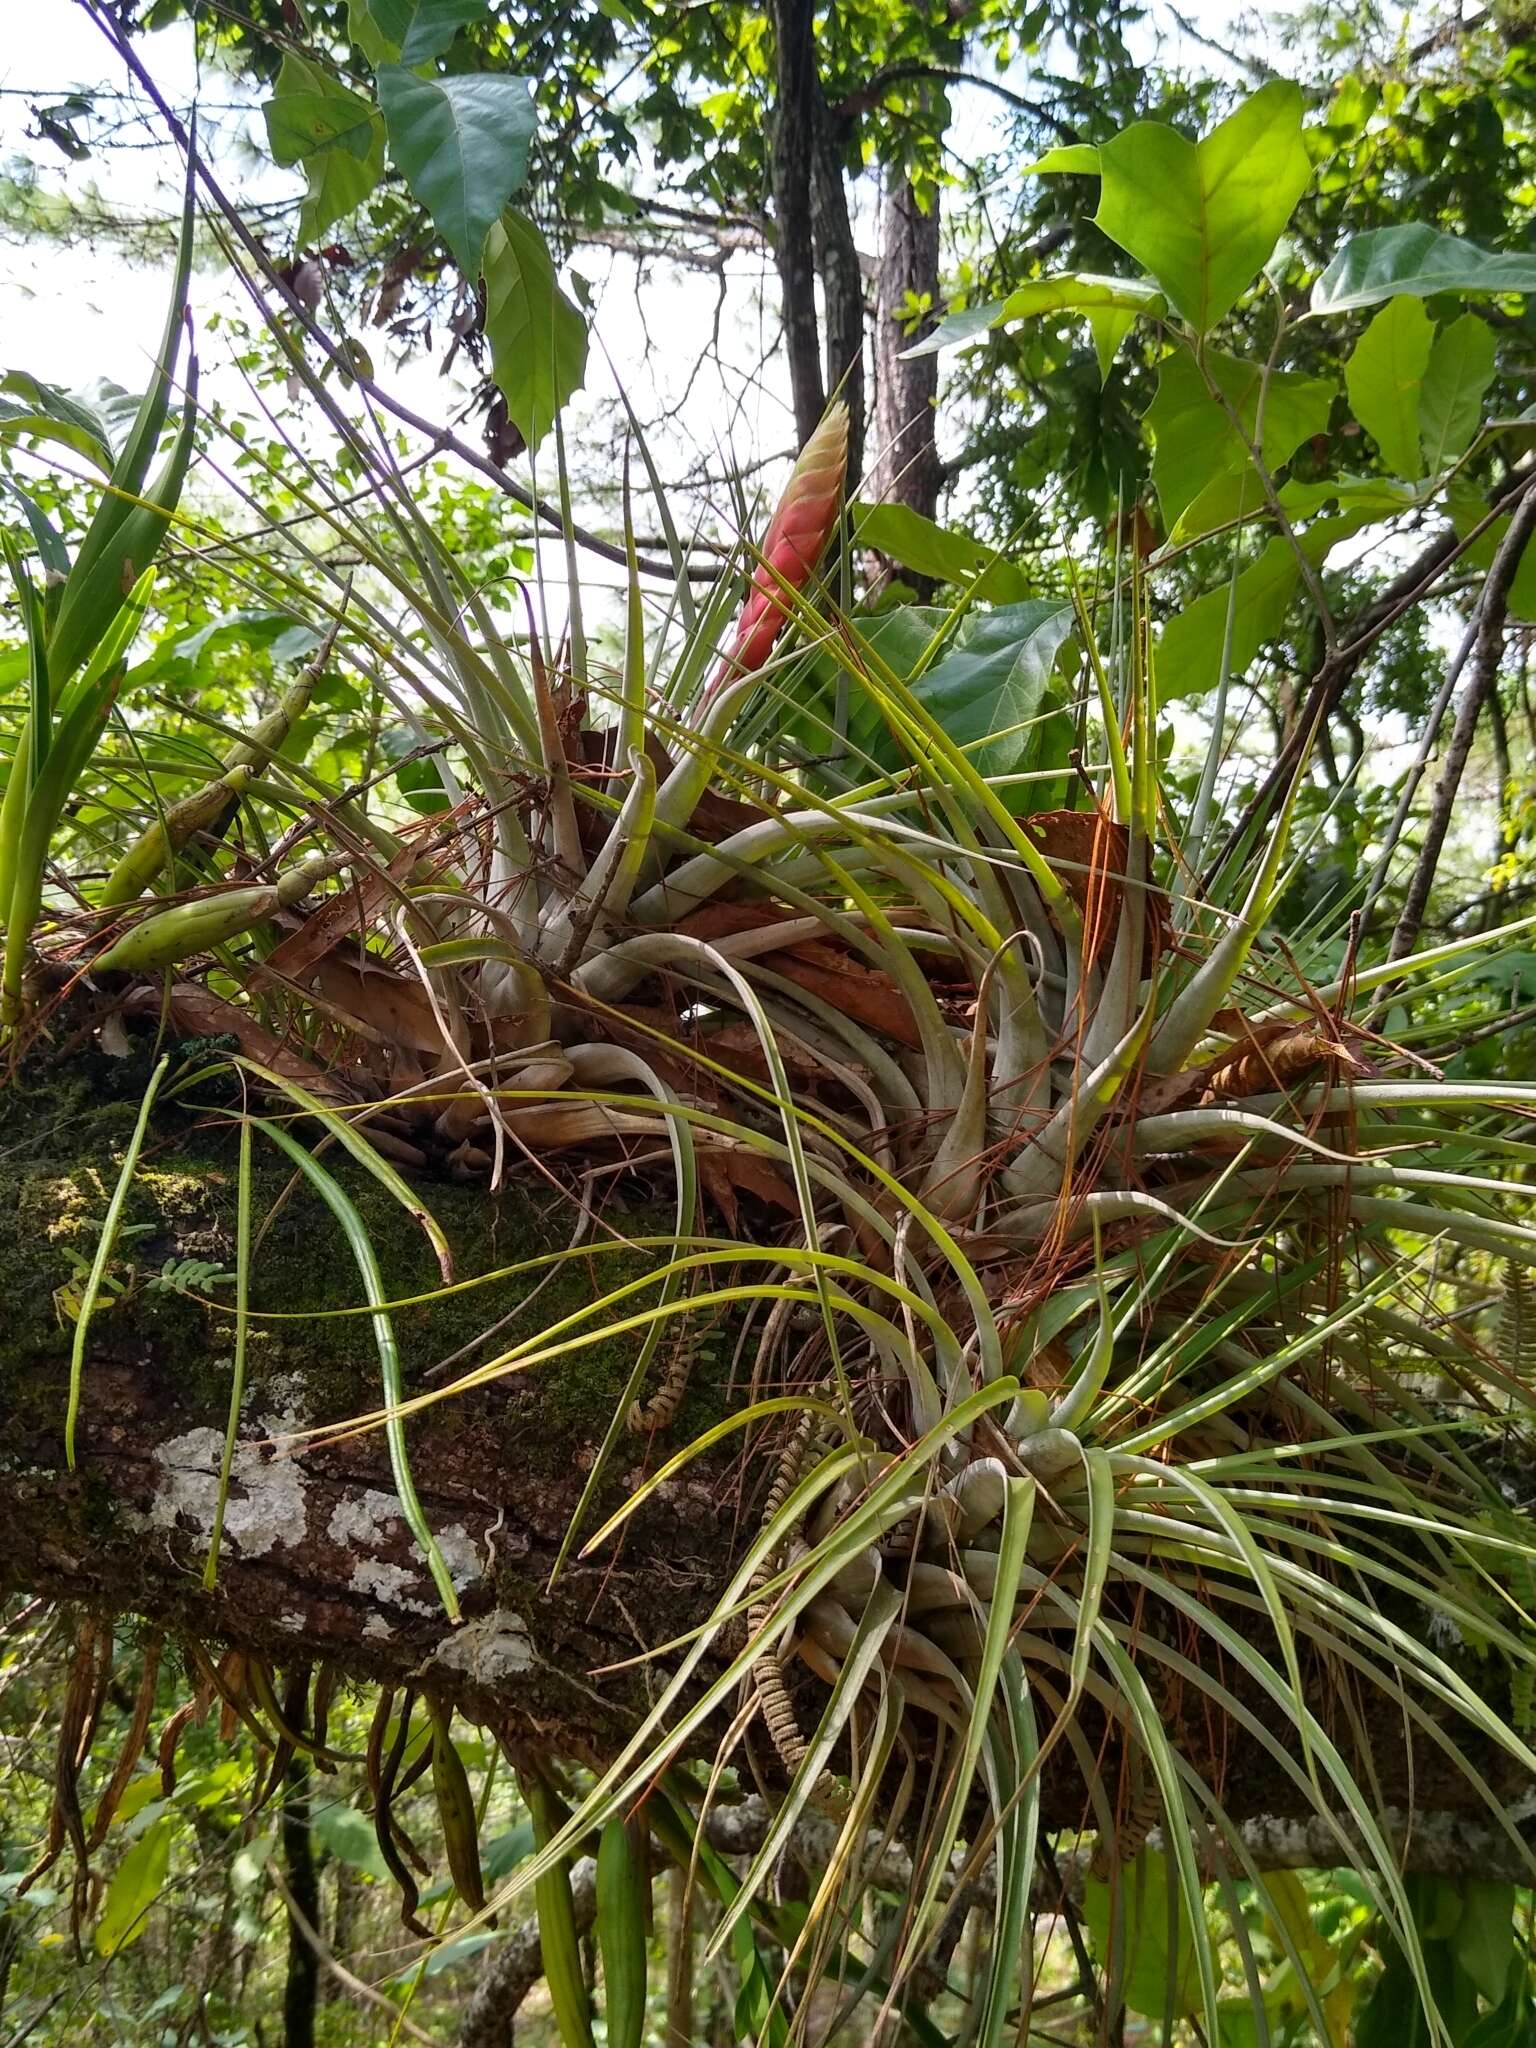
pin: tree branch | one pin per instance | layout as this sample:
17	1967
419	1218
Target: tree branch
1489	652
866	96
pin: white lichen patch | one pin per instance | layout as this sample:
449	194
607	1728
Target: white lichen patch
459	1554
376	1579
295	1623
377	1626
265	1507
490	1650
365	1521
372	1521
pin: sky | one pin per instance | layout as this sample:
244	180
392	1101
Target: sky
70	315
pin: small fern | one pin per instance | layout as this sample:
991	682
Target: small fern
189	1276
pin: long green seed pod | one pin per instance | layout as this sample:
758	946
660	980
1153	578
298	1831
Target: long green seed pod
208	809
171	936
269	735
456	1811
557	1923
621	1897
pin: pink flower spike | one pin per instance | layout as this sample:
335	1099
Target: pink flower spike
798	532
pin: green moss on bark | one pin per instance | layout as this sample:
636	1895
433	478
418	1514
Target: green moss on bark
61	1160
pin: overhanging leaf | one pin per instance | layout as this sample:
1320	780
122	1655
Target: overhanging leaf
918	543
332	134
350	1837
1420	260
462	145
136	1883
409	31
1203	217
1081	157
1149	1961
1072	292
94	423
1383	378
1189	650
1461	367
538	339
1201	465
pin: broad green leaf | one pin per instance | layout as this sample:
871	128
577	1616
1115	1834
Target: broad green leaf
1148	1962
462	146
136	1883
1109	325
94	422
1467	508
538	339
960	327
1201	466
1461	367
333	135
1378	495
349	1836
460	1950
1383	377
1189	648
1081	157
990	692
1072	292
1511	2024
1484	1938
1204	216
409	31
141	1792
917	543
1420	260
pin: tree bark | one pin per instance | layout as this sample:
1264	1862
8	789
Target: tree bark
301	1983
317	1561
813	237
905	469
1481	684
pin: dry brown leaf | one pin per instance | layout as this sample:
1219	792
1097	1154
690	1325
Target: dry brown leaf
350	911
399	1010
820	967
1274	1057
723	1169
1090	853
197	1012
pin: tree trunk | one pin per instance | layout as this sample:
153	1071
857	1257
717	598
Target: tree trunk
317	1561
905	469
813	238
302	1979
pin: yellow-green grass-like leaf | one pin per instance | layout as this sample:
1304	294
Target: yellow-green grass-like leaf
360	1244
